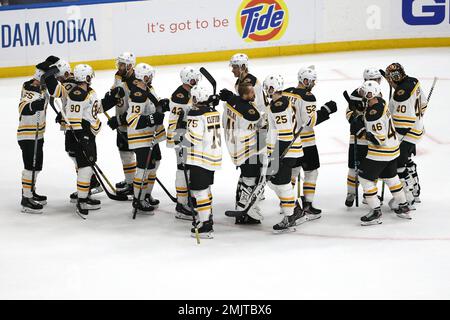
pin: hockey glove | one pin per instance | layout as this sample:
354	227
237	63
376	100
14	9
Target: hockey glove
370	137
158	118
109	101
58	118
38	105
113	123
118	92
178	137
163	105
330	106
357	123
225	95
213	100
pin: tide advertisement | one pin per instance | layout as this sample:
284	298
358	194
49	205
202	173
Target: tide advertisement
178	28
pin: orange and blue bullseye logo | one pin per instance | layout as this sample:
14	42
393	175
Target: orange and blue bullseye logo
262	20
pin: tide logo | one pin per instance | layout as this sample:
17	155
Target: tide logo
262	20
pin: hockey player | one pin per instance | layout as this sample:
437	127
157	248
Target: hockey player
382	154
145	130
408	105
81	107
239	64
180	103
241	122
304	103
66	79
124	78
355	115
239	67
30	135
203	156
282	125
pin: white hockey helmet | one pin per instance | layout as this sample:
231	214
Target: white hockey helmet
239	59
274	82
83	73
307	74
143	70
370	89
187	74
201	93
63	67
38	73
371	74
128	58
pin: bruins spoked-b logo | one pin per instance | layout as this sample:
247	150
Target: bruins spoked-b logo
262	20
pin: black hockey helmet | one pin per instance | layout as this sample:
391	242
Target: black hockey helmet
395	72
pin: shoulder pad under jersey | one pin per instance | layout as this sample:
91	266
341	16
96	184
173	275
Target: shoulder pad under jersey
78	94
405	89
195	112
249	78
180	96
138	95
280	105
305	94
247	109
375	111
28	85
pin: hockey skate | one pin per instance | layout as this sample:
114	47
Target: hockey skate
143	207
183	213
95	187
82	208
284	226
153	202
39	198
29	205
126	189
372	218
246	219
92	204
311	212
393	205
403	211
205	229
350	200
289	222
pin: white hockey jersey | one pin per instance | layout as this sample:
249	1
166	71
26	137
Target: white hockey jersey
407	106
240	122
180	102
28	119
203	133
304	104
125	83
82	108
139	135
379	123
282	128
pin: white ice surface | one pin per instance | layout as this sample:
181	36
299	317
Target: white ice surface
57	255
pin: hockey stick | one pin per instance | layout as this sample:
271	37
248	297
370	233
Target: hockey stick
144	176
262	182
124	139
97	171
210	78
383	185
33	174
191	205
186	178
355	156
